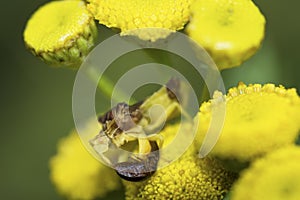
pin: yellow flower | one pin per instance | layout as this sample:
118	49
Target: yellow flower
187	178
259	119
230	30
61	32
276	177
129	15
77	175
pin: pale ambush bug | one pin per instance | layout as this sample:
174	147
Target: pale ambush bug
141	123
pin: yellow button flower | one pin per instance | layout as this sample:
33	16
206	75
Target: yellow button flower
230	30
129	15
77	175
276	177
61	32
259	119
187	178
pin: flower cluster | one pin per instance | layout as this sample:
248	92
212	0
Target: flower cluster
257	145
72	24
251	130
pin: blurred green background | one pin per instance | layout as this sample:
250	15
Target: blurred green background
36	99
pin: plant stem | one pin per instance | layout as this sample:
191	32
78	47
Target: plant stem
106	86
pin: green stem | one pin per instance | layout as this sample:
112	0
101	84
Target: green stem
106	86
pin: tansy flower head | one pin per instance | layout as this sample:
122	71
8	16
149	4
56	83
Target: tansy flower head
230	30
61	32
276	177
187	178
131	15
258	120
77	175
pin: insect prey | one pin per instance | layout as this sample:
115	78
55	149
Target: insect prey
138	122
